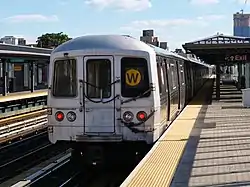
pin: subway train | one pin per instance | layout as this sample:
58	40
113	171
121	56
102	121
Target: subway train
115	94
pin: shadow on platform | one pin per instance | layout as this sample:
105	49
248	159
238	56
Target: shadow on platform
218	150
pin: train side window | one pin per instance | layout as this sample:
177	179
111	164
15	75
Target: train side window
182	77
159	77
173	72
98	76
168	71
176	74
164	69
134	77
65	78
163	80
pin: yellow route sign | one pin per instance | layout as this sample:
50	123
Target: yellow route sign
133	77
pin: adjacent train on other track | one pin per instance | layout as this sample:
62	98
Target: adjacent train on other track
114	94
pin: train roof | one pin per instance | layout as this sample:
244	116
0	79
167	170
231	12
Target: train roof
105	42
113	42
171	54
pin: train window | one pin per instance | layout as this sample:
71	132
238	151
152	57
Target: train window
159	77
64	84
161	72
134	77
168	73
165	75
172	75
173	69
182	77
99	76
181	69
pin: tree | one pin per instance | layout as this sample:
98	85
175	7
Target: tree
51	40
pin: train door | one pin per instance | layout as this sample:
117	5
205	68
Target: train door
99	94
163	89
165	68
173	88
181	84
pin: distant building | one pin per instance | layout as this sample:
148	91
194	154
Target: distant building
13	40
148	33
164	45
241	24
21	41
148	37
9	40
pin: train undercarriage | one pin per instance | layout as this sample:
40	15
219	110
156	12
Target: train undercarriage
101	154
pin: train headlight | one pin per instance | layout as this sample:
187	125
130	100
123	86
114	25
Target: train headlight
59	116
71	116
128	116
141	116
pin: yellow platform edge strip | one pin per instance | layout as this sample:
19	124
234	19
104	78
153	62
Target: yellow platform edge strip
23	96
171	145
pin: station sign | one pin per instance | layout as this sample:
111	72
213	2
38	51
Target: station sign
17	68
233	58
16	60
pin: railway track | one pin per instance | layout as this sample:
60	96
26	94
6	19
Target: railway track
53	174
12	151
28	159
63	173
24	153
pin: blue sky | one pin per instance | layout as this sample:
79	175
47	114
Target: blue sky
174	21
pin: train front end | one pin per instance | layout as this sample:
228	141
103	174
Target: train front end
101	101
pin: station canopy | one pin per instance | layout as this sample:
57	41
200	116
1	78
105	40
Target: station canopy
220	49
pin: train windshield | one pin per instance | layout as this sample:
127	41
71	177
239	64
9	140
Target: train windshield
134	77
98	78
64	84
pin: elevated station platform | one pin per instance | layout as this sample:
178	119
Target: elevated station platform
207	145
23	95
